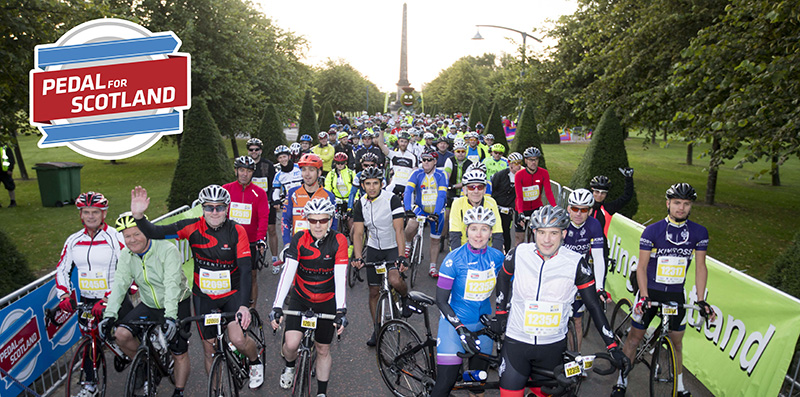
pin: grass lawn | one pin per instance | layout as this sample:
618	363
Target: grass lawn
747	224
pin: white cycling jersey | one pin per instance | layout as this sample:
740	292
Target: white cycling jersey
95	259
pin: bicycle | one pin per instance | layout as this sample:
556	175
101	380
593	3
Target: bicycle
153	361
354	273
529	237
307	355
229	368
408	364
417	257
662	362
342	216
388	306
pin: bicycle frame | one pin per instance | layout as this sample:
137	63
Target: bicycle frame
306	351
238	368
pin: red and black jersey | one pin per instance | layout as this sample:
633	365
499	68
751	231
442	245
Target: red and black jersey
316	259
219	254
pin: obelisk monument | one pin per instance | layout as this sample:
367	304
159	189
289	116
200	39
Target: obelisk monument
403	82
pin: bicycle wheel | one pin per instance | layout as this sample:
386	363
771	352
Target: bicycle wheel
407	374
302	377
384	311
220	380
662	369
351	275
572	337
139	382
256	331
621	320
76	377
416	252
586	323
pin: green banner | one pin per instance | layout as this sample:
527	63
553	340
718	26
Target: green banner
183	245
747	350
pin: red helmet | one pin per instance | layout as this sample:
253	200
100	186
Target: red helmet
310	160
92	199
340	157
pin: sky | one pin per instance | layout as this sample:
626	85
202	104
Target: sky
366	34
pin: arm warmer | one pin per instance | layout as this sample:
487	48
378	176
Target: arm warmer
592	302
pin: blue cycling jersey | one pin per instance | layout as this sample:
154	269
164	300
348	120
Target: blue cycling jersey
582	239
671	247
285	181
429	191
471	276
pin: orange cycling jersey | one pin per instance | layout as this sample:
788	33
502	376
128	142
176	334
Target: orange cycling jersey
293	219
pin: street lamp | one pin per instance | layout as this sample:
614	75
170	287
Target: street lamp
522	69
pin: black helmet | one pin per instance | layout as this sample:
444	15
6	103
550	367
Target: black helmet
600	182
369	156
683	191
371	173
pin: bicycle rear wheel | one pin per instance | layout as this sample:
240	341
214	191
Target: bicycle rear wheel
408	374
621	320
572	337
139	382
385	310
662	369
76	377
302	377
220	380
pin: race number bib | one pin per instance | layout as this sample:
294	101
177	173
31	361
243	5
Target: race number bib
671	270
262	183
475	158
92	281
299	226
241	213
215	283
344	190
401	175
212	319
380	269
530	193
542	318
308	322
480	285
429	197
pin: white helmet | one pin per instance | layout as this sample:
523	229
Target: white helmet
473	176
214	194
459	144
479	215
428	135
318	206
581	197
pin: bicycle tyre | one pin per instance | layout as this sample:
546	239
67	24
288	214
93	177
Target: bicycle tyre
384	311
75	375
302	377
416	252
256	331
412	376
662	369
139	382
572	337
220	379
586	323
621	321
351	275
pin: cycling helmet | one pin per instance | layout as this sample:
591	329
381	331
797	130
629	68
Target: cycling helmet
479	215
343	135
488	136
245	162
282	149
581	197
532	152
306	138
471	135
428	135
477	166
310	160
479	126
498	147
295	148
442	139
367	134
255	141
429	153
473	176
340	157
459	144
334	126
346	128
369	156
600	182
322	134
318	206
214	194
549	216
683	191
403	135
92	199
371	173
125	221
514	157
413	132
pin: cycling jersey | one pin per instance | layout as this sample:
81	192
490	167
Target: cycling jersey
325	153
372	149
222	264
402	164
287	178
95	259
430	191
452	164
264	174
249	207
585	238
293	219
503	190
494	166
605	210
460	206
477	154
671	247
316	268
441	161
529	188
470	275
378	215
340	182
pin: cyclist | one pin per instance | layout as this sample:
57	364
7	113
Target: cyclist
428	145
476	152
381	213
669	245
293	219
316	271
528	184
344	146
156	266
288	176
249	207
542	279
488	140
325	152
340	182
475	183
222	275
504	194
463	294
413	145
263	177
497	162
305	144
94	252
585	237
602	210
368	147
442	148
429	187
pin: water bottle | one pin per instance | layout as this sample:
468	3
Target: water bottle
474	376
162	340
235	351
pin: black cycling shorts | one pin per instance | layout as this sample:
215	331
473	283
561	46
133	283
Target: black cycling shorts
325	329
376	255
676	323
272	214
205	305
517	227
519	358
179	345
8	181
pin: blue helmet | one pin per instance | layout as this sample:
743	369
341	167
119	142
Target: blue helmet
334	126
306	138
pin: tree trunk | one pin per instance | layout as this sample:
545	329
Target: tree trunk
689	153
23	172
233	145
653	136
665	134
776	175
711	185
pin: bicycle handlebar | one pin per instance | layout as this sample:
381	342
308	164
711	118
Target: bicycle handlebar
224	317
309	313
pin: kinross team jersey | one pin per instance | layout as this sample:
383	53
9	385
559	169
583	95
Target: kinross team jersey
671	247
249	207
588	240
95	259
429	191
294	220
473	275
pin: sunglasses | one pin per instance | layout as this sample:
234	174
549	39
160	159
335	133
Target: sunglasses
254	149
476	187
461	151
576	209
318	221
427	159
516	162
500	153
215	208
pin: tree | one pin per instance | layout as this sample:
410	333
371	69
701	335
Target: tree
604	156
14	270
326	117
202	159
270	131
528	133
494	126
551	137
783	274
308	120
344	88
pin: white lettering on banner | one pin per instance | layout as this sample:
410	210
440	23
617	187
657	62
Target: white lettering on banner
625	262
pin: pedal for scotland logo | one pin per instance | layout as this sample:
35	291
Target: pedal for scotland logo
109	89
